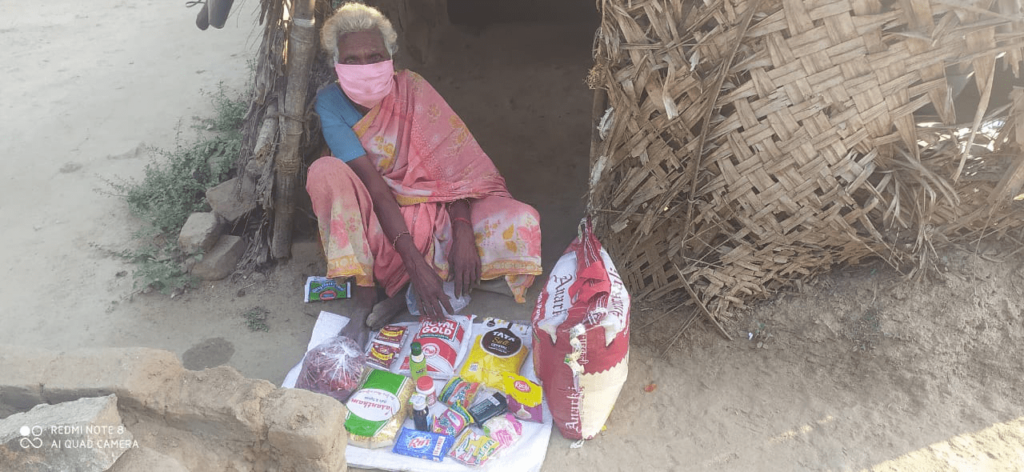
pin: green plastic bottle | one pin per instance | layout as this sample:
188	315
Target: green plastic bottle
417	362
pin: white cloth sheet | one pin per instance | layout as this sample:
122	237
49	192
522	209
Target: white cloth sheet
527	455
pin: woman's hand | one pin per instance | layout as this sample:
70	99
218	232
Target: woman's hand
429	290
464	259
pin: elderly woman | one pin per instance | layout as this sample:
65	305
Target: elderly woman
408	196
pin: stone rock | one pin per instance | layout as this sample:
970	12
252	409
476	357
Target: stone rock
219	402
146	459
305	423
24	372
83	435
200	233
140	377
232	199
214	419
221	260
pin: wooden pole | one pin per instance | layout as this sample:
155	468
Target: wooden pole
301	49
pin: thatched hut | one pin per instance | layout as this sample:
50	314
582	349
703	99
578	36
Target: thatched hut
743	144
750	143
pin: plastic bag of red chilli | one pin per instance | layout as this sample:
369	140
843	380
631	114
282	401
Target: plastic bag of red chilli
423	444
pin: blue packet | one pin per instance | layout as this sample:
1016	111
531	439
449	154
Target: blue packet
423	444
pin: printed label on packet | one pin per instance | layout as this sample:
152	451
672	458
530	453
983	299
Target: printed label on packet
450	422
473	448
441	344
373	404
423	444
524	398
323	288
381	355
391	334
501	342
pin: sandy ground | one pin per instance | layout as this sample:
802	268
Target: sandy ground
860	370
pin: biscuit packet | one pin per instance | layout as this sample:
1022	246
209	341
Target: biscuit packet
458	392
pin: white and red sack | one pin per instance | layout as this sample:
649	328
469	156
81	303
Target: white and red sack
581	337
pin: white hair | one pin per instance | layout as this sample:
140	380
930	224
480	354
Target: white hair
353	17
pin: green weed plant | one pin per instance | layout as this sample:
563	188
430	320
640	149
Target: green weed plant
174	186
256	319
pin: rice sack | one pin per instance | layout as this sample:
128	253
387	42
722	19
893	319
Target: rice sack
376	411
581	337
501	348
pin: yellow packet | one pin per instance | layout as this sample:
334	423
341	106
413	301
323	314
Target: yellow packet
499	350
524	398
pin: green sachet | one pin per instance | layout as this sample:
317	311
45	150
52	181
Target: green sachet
376	411
324	288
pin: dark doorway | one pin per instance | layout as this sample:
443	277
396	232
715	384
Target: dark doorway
514	71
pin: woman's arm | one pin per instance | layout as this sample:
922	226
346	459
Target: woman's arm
337	115
463	258
428	286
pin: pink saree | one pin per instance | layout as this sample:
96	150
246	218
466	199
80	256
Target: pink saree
428	158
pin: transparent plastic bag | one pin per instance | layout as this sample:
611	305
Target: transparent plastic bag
333	368
449	289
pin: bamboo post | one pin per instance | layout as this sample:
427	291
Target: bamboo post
301	49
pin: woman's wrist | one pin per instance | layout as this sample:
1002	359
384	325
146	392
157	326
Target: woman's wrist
459	208
407	251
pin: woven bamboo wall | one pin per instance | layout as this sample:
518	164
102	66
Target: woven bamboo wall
746	144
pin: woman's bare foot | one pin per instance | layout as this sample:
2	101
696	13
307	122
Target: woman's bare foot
363	301
497	285
386	311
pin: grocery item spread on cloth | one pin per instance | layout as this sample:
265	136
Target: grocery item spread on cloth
527	454
441	343
423	444
386	346
524	397
500	349
332	368
376	411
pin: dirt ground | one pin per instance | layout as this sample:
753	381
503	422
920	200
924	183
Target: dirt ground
861	370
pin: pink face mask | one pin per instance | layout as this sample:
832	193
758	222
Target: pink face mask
366	84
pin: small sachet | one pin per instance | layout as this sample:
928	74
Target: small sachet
324	288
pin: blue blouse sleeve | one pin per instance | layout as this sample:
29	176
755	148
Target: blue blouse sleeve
337	116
